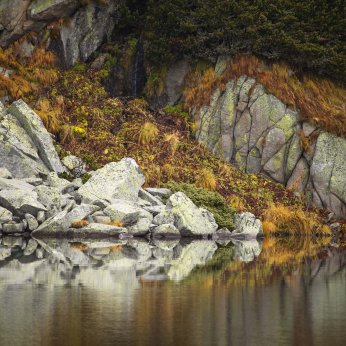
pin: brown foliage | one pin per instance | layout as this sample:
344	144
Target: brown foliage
80	224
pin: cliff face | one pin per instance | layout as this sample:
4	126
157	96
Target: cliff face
258	133
74	39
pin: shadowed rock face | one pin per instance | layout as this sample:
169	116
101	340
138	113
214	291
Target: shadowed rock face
90	25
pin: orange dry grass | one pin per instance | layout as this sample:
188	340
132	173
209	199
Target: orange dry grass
115	223
80	224
207	180
115	247
42	59
281	219
80	246
319	101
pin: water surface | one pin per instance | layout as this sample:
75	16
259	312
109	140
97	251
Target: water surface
192	292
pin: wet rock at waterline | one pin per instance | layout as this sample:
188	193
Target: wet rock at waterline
189	219
246	224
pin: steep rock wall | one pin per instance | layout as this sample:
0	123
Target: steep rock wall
260	135
87	29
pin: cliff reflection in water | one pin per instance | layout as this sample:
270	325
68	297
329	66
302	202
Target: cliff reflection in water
188	292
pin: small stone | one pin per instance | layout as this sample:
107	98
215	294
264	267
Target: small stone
39	253
223	233
25	224
159	192
33	181
75	165
32	222
31	247
140	228
101	219
41	217
12	241
4	252
334	226
143	194
12	228
5	215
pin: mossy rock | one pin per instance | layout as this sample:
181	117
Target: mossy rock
212	201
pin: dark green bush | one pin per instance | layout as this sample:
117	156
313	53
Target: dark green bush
212	201
309	34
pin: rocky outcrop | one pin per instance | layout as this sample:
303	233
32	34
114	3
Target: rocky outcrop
258	133
26	147
88	27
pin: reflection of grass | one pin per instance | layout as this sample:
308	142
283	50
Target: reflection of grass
280	256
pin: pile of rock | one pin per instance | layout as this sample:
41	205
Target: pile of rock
33	198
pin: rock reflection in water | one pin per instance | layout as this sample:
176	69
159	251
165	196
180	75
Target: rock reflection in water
110	262
187	292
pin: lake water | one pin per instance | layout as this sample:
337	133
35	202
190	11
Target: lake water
279	292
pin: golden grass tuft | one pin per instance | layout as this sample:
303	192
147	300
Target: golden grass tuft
67	134
207	180
147	133
283	219
80	224
152	174
269	228
50	116
173	141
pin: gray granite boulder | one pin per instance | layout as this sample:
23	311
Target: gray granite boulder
55	224
116	180
120	208
246	224
10	228
190	220
31	247
166	217
33	125
21	202
160	192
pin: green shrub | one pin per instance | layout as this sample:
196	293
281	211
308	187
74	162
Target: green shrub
86	177
212	201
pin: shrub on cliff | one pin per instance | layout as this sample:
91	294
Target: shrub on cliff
212	201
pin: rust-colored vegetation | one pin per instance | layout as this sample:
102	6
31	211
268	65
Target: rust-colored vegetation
115	223
80	224
80	246
319	101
